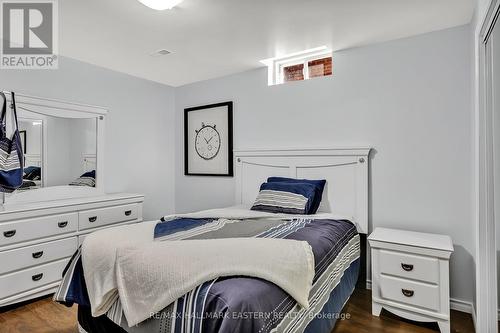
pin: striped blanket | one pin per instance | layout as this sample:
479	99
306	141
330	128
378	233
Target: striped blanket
239	304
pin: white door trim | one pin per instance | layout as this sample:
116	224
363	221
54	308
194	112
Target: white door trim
486	279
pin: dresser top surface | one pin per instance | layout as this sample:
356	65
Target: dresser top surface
412	238
14	207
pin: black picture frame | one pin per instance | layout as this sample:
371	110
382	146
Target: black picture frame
229	106
23	140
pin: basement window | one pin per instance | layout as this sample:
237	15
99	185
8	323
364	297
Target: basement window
299	66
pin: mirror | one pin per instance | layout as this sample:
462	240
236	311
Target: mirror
31	137
57	151
63	149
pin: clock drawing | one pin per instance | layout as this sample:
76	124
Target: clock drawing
207	142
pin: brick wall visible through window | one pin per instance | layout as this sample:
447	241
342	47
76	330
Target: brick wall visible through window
315	68
320	67
299	66
293	73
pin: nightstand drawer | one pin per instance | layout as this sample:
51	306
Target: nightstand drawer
409	266
410	292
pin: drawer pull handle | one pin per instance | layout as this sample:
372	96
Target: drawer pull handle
128	212
37	277
62	224
407	267
37	255
93	219
407	293
9	233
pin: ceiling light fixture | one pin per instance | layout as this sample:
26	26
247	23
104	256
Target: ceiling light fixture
160	52
161	4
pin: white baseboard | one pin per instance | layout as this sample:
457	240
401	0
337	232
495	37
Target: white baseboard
474	317
455	304
369	284
462	306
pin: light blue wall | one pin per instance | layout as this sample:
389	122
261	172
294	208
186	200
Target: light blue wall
410	99
139	129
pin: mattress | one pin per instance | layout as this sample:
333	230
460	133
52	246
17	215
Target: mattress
323	321
244	304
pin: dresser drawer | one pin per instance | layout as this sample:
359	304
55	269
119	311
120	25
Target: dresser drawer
18	259
409	266
104	216
14	283
46	226
410	292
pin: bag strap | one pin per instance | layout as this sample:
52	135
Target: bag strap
13	106
4	106
2	116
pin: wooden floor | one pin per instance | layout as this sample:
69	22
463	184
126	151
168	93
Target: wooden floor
45	316
361	321
42	316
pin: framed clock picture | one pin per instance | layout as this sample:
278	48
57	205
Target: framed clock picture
208	140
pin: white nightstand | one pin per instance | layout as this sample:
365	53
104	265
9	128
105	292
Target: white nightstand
410	275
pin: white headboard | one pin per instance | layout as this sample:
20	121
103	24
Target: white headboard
345	170
33	160
89	162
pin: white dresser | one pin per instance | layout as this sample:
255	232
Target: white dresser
410	275
37	239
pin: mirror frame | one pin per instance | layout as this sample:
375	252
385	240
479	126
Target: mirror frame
65	109
43	150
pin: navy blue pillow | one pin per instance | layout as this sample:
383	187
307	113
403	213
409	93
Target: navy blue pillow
32	173
319	185
287	197
90	174
30	169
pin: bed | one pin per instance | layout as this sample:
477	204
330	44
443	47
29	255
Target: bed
246	303
32	176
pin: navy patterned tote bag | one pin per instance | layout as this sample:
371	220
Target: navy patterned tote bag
11	151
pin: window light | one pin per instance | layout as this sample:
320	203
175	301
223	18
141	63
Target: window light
299	66
161	4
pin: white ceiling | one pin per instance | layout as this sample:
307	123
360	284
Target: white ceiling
212	38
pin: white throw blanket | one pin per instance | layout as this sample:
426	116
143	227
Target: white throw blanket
99	257
99	251
152	276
